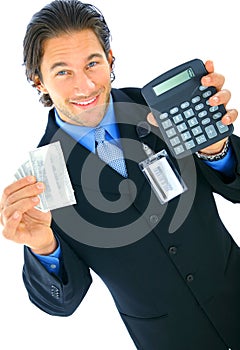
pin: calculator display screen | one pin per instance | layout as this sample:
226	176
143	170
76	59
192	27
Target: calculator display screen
174	81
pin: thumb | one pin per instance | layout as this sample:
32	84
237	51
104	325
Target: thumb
151	119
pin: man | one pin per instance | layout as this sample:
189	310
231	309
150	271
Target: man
172	269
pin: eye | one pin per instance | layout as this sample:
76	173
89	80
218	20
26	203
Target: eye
62	72
92	64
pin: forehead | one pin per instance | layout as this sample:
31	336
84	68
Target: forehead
77	44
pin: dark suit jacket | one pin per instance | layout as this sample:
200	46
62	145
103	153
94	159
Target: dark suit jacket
173	270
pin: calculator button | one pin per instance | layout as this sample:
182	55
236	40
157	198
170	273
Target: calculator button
171	132
196	99
179	149
182	127
185	105
206	121
202	114
167	124
211	131
163	116
202	88
173	110
190	144
192	122
207	94
199	106
186	136
177	118
189	113
221	127
196	131
217	115
175	141
213	108
201	139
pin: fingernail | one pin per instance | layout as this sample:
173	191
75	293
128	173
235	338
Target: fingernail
16	215
35	199
215	99
40	186
227	119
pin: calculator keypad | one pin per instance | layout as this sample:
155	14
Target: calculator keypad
193	125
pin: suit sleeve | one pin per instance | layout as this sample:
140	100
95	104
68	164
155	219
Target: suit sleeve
229	189
55	296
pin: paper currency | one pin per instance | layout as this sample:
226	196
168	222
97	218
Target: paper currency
47	164
24	170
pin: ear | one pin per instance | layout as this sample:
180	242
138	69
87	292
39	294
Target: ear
39	85
110	58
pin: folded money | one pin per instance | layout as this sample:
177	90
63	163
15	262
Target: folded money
47	164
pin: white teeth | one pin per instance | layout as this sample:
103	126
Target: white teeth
86	102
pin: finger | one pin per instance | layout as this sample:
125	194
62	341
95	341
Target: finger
209	66
151	119
25	192
213	79
11	225
221	97
230	117
17	185
21	206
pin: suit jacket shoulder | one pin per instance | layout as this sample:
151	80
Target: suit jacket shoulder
133	93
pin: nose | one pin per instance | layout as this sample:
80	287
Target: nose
83	84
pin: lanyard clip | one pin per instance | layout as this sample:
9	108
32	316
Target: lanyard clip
149	152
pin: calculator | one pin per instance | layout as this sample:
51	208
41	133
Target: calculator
180	105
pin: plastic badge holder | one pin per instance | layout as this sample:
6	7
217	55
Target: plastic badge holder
163	176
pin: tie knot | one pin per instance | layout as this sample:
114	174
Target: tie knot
99	135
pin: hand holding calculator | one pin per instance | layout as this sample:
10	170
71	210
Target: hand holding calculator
180	105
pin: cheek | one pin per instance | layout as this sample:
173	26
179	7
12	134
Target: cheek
59	89
103	75
105	81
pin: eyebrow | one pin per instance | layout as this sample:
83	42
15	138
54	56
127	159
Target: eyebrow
58	64
63	64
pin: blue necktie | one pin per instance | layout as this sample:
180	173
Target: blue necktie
110	153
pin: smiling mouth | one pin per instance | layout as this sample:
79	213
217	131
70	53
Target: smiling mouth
85	103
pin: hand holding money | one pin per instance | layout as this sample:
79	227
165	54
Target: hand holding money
42	184
47	164
22	222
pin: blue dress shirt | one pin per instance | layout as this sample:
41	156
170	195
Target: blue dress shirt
225	165
51	262
85	136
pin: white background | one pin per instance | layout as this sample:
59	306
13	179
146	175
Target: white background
148	38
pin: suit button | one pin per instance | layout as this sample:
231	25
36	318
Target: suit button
153	219
55	292
172	250
190	278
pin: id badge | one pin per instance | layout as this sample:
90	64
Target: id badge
163	176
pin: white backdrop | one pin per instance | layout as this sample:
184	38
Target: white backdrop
148	38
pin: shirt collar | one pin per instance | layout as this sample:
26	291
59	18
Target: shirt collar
85	135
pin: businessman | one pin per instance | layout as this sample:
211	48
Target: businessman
172	268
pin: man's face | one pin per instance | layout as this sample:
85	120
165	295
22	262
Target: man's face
76	75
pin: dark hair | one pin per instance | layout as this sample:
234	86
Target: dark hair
56	18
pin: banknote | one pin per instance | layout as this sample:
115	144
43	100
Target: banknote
48	165
24	170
